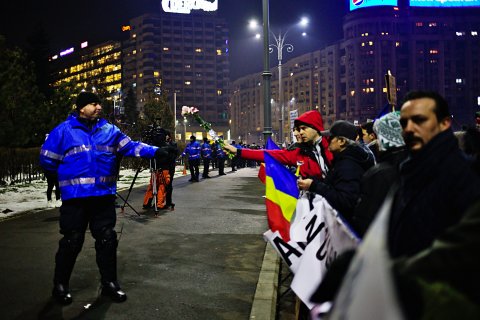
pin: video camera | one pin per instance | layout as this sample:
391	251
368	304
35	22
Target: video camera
154	135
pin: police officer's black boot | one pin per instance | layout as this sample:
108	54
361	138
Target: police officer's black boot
69	248
112	289
106	247
61	294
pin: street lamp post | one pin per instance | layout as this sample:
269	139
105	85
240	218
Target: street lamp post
280	44
185	128
267	108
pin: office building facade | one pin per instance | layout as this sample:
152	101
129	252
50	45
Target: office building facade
184	57
424	48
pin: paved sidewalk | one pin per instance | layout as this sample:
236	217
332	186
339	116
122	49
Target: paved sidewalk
205	260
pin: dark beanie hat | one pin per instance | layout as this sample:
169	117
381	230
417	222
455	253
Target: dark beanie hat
85	98
312	119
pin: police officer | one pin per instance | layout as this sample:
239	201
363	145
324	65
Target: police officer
84	151
193	150
206	157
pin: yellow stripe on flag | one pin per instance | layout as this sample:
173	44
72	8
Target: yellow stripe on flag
286	202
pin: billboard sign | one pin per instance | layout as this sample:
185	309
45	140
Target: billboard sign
445	3
186	6
357	4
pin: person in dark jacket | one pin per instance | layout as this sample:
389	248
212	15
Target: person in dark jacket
378	179
436	182
171	164
451	264
341	187
84	151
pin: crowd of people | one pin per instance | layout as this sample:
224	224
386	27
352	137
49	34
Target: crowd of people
411	156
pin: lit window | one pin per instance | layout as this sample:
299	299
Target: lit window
432	24
188	83
418	24
165	49
219	52
433	51
198	50
352	93
474	33
363	44
459	80
140	75
134	35
219	92
460	33
397	44
370	43
188	66
134	52
156	74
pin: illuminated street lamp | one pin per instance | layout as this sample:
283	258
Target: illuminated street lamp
185	128
279	44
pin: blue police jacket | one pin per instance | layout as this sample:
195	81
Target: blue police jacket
86	158
193	150
220	153
206	150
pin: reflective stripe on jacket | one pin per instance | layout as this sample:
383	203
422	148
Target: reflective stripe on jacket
86	159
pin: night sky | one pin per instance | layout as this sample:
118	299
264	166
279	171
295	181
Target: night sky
68	23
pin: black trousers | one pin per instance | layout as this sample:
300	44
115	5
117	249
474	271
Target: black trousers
193	164
97	213
221	165
206	165
52	181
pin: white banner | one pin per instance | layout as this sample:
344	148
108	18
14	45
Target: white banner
320	235
368	290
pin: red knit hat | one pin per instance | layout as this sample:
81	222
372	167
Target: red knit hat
313	119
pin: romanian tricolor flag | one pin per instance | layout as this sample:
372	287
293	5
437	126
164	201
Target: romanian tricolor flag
281	196
269	146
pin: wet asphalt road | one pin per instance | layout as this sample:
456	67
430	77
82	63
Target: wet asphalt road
201	261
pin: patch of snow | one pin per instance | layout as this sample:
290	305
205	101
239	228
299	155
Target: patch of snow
15	199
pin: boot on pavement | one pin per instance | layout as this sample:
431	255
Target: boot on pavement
61	294
113	290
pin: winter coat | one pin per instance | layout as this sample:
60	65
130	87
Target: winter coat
436	186
374	186
193	150
86	158
309	169
341	187
220	154
206	150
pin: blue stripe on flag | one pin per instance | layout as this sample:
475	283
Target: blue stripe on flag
284	180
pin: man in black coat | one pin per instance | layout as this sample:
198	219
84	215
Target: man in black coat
341	187
436	183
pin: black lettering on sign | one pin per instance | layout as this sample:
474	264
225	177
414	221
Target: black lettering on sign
286	250
322	252
312	232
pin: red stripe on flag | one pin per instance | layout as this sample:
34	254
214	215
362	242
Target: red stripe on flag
276	220
261	173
